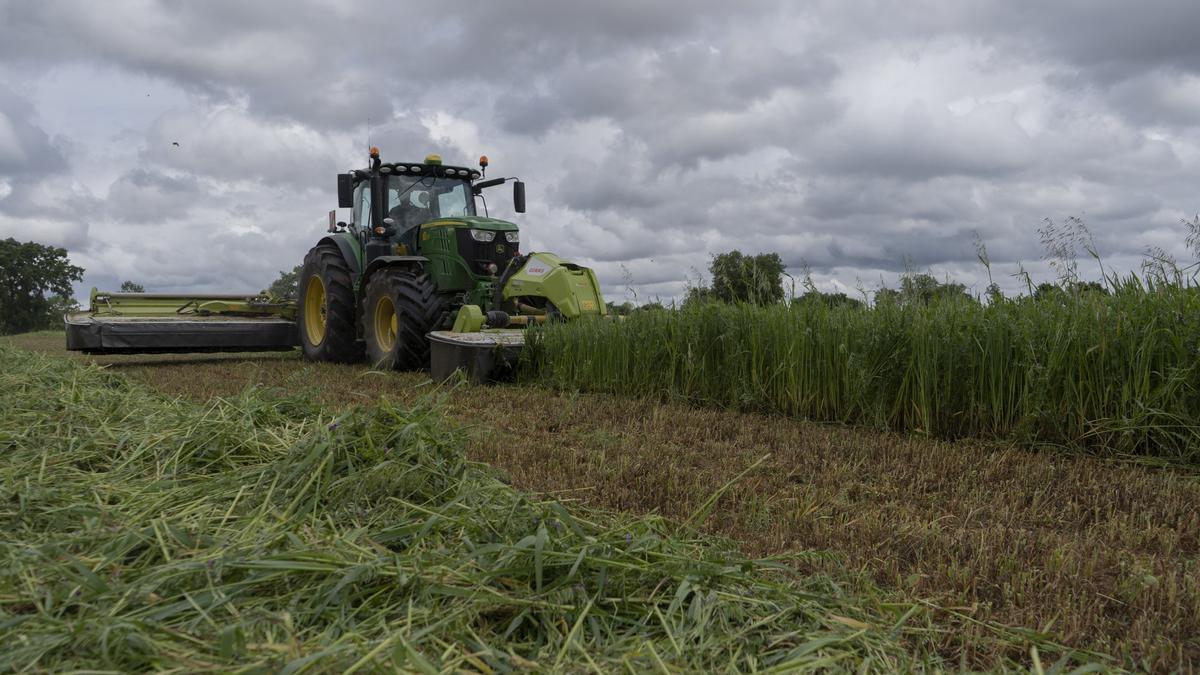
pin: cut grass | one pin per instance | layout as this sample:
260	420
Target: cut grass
1102	554
254	533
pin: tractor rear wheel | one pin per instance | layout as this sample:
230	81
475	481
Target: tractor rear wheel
400	308
326	307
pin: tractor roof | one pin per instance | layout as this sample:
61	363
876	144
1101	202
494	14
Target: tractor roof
422	169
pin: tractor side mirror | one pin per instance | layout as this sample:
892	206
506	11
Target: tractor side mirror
519	196
345	191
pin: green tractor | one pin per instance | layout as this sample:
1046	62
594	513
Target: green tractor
416	268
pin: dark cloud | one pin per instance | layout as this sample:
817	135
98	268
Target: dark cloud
1111	39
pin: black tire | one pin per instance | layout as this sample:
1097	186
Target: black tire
325	280
407	295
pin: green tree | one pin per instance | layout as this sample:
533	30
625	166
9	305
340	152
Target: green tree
286	287
132	287
994	294
921	289
31	274
698	295
1047	291
622	309
887	296
59	305
741	278
1070	289
814	297
1080	287
925	288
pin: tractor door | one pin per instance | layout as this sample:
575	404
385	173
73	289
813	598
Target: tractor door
362	206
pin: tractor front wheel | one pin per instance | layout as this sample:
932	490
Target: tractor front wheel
326	308
400	308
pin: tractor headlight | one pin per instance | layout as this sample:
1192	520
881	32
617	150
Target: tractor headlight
512	237
483	235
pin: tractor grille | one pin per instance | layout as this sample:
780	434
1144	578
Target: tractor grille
479	253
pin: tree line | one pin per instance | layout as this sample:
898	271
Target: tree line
760	280
36	286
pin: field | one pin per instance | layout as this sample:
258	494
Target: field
264	533
1094	552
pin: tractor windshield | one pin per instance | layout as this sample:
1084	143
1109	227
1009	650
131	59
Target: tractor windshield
412	200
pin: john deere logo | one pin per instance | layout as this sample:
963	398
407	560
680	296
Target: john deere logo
499	248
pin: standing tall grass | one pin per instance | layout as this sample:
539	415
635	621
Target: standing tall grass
1112	373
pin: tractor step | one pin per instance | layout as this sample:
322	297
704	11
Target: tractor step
483	356
93	334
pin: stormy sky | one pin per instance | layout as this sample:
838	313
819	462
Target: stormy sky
857	139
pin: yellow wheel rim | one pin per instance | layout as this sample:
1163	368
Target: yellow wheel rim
385	324
314	310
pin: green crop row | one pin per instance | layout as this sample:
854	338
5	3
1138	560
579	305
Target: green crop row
1115	373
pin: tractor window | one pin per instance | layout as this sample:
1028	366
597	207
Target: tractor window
413	200
452	203
362	205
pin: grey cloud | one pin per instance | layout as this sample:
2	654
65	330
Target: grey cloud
226	143
25	149
1159	98
148	196
605	186
48	198
528	114
691	94
335	65
1111	39
38	202
284	59
920	143
49	210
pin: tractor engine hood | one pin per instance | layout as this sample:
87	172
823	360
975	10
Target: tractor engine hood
483	245
474	223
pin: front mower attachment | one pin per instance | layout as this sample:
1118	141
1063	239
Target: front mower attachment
483	356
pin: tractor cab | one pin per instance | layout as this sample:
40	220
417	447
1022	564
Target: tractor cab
412	201
399	206
409	195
